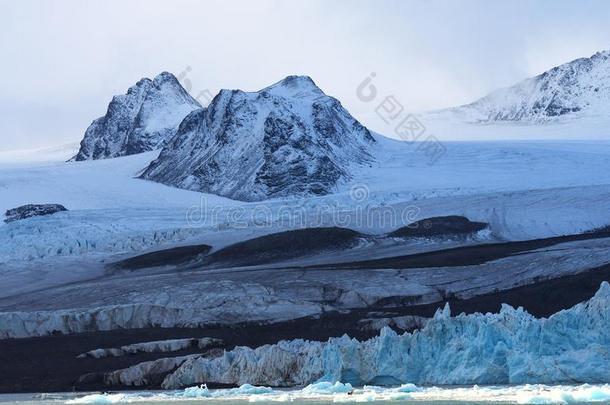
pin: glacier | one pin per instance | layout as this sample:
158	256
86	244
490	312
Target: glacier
509	347
119	213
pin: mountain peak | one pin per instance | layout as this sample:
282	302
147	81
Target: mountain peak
296	81
294	86
165	77
141	120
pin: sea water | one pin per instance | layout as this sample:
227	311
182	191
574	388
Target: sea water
321	393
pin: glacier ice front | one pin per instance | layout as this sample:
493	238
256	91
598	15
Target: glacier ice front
510	347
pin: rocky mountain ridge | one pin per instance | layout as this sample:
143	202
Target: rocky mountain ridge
141	120
579	87
287	139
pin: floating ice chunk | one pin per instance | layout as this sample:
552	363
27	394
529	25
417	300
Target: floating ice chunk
338	392
598	394
248	389
99	399
408	388
564	395
325	387
200	391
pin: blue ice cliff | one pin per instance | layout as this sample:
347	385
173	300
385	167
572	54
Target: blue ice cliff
510	347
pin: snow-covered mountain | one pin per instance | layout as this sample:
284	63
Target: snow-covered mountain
287	139
580	87
141	120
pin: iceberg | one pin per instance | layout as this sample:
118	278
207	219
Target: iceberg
199	391
509	347
325	387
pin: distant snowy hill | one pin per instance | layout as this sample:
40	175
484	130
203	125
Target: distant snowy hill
287	139
575	89
142	120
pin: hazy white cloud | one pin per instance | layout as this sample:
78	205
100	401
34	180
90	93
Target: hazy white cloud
63	60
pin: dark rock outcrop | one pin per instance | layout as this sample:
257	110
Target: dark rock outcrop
166	257
32	210
277	247
451	225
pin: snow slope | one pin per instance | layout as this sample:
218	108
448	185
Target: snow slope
141	120
510	347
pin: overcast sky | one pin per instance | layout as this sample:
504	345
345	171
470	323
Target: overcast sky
63	60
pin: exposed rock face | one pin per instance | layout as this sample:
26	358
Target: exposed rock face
164	257
284	246
142	374
578	86
287	139
452	225
142	120
405	323
32	210
158	346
